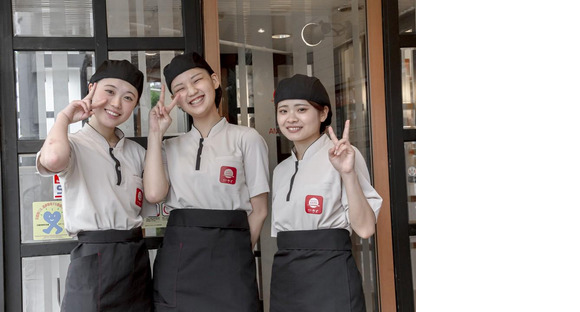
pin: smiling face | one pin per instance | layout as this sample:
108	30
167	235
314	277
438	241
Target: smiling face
121	98
299	121
197	89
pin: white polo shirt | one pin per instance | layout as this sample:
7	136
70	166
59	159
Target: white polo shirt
222	171
308	194
91	199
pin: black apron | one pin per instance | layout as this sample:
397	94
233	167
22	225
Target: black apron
206	263
109	271
314	271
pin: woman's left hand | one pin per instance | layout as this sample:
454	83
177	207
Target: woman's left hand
341	155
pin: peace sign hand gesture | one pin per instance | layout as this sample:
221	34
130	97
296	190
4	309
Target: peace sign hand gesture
159	118
82	109
341	155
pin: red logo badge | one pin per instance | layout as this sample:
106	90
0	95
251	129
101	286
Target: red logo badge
313	204
228	175
139	197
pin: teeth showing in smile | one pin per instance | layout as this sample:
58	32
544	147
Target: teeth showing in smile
293	128
196	100
112	113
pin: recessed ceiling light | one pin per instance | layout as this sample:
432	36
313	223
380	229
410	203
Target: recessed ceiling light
281	36
348	8
261	30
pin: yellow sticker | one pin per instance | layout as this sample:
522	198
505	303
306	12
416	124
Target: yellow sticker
48	222
155	222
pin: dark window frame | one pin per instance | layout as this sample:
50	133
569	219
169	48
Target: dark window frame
13	250
393	41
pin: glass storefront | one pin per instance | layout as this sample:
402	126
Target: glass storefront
144	18
408	82
260	43
46	81
61	18
263	42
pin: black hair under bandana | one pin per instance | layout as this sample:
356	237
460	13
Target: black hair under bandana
184	62
120	69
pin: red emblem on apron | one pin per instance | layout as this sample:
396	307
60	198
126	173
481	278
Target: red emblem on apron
228	175
139	197
313	204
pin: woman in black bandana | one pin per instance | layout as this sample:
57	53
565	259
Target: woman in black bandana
320	194
101	174
214	181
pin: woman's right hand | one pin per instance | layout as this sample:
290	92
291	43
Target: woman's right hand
159	118
78	110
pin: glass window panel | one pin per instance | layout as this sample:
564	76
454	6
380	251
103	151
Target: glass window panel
407	16
151	63
144	18
411	161
46	82
408	76
39	195
40	207
43	281
55	18
276	39
413	241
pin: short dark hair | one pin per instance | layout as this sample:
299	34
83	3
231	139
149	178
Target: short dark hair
328	119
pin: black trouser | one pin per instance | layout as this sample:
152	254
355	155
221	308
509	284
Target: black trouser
109	271
314	271
206	263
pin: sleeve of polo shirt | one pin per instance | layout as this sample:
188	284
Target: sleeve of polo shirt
46	173
256	163
374	199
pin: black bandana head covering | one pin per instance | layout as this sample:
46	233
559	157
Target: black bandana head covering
302	87
120	69
184	62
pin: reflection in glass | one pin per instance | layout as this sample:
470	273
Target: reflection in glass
413	241
36	189
408	76
151	63
407	16
43	281
55	18
46	82
411	161
261	45
144	18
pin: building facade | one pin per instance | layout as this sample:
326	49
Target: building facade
362	51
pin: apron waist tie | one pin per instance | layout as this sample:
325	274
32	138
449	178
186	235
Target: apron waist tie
325	239
111	236
213	218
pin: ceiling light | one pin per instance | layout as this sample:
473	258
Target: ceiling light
281	36
261	30
314	34
347	8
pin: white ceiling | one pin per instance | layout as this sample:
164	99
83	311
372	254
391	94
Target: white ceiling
240	20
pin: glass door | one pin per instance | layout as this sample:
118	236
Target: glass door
262	42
